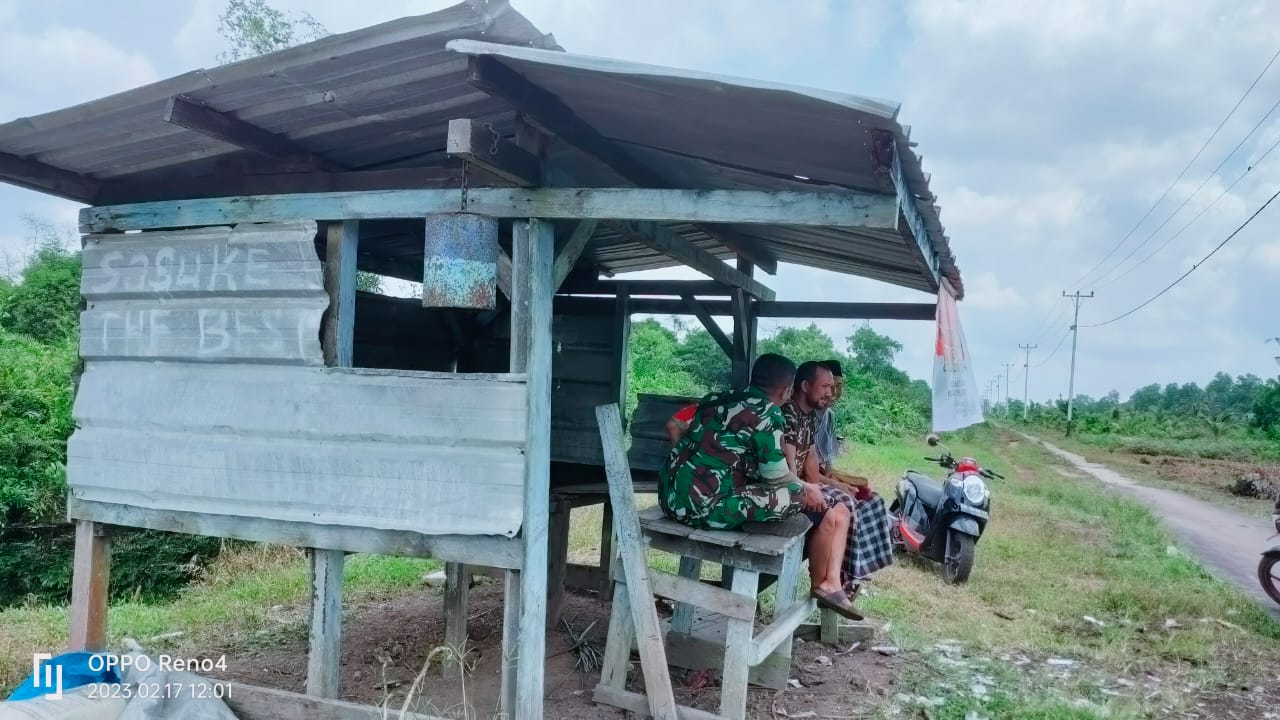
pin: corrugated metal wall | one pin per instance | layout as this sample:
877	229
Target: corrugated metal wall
239	418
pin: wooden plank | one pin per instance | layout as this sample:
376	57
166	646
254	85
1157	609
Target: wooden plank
557	558
717	333
631	550
829	629
638	205
718	554
338	334
737	651
532	309
90	576
682	618
568	255
638	288
571	305
507	701
693	592
780	631
250	702
184	112
657	237
844	634
618	354
487	550
284	182
617	646
550	112
457	586
481	145
608	556
324	668
924	243
41	177
639	704
786	598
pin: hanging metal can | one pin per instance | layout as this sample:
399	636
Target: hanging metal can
460	261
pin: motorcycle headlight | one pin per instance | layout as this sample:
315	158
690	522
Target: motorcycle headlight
975	491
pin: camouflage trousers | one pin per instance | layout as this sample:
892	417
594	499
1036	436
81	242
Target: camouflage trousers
754	503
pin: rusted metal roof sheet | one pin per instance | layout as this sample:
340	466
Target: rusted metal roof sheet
382	97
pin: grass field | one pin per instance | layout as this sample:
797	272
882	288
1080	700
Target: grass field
1079	607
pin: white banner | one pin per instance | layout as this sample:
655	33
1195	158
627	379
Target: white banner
956	403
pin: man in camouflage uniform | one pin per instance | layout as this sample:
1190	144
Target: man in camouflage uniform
729	469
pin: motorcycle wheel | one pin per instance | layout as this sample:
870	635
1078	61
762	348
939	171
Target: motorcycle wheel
1266	576
957	562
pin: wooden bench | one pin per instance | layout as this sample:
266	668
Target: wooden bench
745	557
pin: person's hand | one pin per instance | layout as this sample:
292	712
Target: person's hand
812	498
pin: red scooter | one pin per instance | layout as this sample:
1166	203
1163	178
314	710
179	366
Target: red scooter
943	522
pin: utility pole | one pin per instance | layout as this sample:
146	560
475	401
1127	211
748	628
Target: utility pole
1075	333
1006	388
1026	373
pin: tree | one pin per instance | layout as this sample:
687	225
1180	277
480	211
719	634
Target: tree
800	344
251	28
1146	398
873	354
45	303
702	358
1266	409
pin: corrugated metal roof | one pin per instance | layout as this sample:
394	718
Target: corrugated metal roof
381	98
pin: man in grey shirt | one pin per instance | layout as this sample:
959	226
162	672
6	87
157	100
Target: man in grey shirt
826	442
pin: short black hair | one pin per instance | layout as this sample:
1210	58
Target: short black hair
807	372
833	366
772	371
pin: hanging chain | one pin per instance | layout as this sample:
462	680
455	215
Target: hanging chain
493	147
466	176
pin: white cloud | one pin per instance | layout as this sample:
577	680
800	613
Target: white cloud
60	66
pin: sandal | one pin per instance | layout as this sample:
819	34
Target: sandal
837	602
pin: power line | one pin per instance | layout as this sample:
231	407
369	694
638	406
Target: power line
1173	184
1056	348
1104	279
1202	260
1250	168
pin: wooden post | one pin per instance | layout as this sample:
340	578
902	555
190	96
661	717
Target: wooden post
457	585
557	558
91	572
682	618
510	644
534	252
737	650
337	340
607	553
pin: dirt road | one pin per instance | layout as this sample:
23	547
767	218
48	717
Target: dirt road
1227	543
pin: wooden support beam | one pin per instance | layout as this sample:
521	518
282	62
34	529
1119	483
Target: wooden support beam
531	326
550	112
923	248
715	206
90	576
668	243
557	559
740	357
35	175
504	273
482	146
779	631
618	349
692	591
710	324
203	119
576	305
283	183
671	288
337	340
568	255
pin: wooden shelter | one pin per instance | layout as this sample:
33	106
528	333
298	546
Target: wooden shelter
235	383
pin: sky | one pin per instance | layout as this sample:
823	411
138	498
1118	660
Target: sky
1050	131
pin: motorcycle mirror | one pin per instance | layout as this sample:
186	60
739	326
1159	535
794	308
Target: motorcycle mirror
932	440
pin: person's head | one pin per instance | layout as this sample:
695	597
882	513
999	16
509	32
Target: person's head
814	385
774	374
838	373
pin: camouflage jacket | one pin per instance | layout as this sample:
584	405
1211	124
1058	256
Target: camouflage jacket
735	439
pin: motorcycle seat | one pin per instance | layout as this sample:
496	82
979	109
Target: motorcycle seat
927	489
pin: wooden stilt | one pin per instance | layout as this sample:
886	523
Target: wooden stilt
91	572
